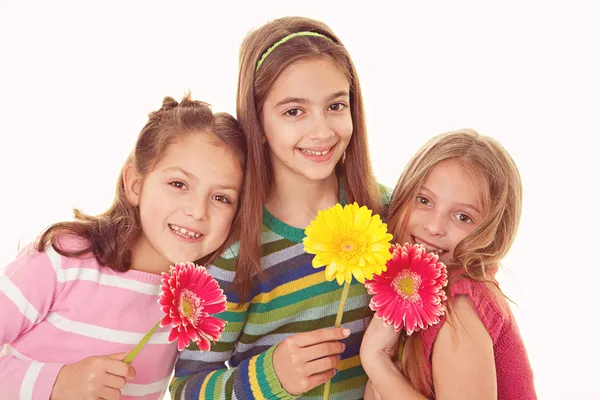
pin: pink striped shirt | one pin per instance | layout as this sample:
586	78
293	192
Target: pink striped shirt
56	310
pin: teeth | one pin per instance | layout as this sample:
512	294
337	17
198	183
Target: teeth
430	249
184	232
315	153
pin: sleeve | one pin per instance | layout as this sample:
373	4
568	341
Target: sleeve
386	194
27	292
205	375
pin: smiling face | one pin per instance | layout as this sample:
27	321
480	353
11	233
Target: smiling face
186	203
446	210
306	119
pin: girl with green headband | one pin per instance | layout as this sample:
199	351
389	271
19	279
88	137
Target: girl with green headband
299	102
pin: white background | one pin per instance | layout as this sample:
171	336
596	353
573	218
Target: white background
77	81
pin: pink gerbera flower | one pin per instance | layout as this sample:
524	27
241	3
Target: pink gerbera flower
410	292
189	297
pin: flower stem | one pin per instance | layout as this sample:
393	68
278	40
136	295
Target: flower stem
401	341
141	344
337	324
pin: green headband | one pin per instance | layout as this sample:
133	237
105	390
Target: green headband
285	39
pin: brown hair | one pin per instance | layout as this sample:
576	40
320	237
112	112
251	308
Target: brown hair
479	254
253	87
110	236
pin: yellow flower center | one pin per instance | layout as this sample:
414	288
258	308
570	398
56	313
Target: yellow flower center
190	306
406	284
348	246
187	309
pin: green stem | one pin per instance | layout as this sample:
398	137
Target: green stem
401	341
338	323
141	344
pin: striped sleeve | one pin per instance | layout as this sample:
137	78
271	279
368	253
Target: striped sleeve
254	378
205	375
27	291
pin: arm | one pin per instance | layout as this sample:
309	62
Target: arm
370	392
377	353
463	357
284	371
203	375
27	290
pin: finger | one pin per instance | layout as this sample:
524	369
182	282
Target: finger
114	381
120	368
110	394
320	336
318	379
322	350
323	364
117	356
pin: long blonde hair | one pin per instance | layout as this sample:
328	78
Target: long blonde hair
478	255
253	87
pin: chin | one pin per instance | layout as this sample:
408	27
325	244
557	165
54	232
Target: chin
320	175
182	257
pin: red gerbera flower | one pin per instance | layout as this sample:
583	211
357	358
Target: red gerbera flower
410	292
189	297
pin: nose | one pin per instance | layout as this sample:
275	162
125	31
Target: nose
320	128
436	225
197	208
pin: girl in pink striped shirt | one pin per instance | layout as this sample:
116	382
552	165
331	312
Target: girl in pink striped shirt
83	296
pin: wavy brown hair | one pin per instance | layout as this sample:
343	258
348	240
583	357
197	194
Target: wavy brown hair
253	88
110	236
477	256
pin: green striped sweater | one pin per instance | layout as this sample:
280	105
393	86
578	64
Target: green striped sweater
293	297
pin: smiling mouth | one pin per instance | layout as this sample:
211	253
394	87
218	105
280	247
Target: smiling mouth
186	233
430	248
316	153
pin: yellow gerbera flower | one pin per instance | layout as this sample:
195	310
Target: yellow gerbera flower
348	241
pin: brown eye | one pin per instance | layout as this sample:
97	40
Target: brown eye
222	199
463	218
423	200
294	112
337	106
178	184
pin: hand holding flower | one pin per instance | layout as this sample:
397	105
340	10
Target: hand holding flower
189	297
307	360
379	343
408	296
409	293
93	378
350	243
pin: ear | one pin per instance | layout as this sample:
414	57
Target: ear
132	181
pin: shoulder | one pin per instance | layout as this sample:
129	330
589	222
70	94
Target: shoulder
49	255
464	315
485	296
486	301
385	193
463	354
463	322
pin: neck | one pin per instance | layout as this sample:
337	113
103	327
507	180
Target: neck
297	202
145	259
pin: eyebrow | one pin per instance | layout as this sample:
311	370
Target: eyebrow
183	171
231	187
192	176
301	100
463	205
